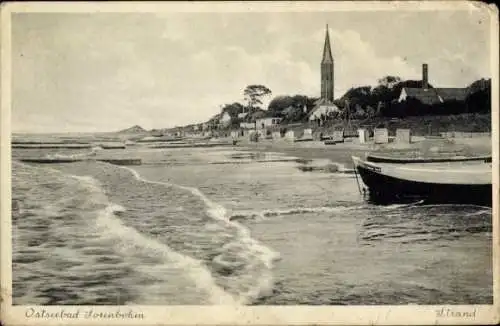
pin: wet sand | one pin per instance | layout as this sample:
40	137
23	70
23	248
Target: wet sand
335	153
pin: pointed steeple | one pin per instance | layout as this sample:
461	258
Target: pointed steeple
327	51
327	74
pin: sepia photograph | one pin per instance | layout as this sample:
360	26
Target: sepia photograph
249	155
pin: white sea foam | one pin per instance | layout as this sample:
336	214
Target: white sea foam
399	206
220	213
130	238
93	152
262	215
481	212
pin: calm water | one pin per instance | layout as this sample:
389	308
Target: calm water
217	226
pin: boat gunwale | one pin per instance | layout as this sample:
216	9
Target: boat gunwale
383	189
371	157
391	169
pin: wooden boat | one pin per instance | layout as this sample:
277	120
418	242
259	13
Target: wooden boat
451	182
378	158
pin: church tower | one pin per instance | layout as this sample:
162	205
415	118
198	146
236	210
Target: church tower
327	70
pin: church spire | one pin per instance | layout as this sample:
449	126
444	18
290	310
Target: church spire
327	51
327	75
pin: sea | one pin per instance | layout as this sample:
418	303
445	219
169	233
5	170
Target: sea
232	226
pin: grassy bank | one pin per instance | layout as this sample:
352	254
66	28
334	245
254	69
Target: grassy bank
419	125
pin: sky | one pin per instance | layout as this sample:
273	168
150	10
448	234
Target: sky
94	72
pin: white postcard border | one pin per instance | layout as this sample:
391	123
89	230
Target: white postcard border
255	315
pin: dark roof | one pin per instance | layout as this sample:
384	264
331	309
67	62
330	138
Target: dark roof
427	96
431	96
258	114
452	94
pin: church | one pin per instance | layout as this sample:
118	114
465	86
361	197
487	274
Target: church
324	105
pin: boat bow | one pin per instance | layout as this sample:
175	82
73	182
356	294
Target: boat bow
461	182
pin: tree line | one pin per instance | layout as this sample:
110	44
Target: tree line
361	102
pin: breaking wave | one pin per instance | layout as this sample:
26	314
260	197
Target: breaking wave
243	253
292	211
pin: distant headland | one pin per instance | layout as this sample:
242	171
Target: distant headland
133	130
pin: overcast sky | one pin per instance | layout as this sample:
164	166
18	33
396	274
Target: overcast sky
109	71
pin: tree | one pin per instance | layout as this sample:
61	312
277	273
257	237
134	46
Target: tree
382	93
359	112
479	85
279	103
254	93
389	81
479	96
282	102
233	109
370	112
293	114
359	96
299	100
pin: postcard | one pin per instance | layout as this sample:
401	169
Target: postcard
249	163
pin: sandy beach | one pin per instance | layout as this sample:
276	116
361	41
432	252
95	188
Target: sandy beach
342	152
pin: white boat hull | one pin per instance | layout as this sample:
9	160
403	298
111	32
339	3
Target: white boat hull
443	182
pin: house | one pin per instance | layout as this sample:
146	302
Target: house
242	116
225	119
247	125
427	96
266	122
452	94
322	108
255	115
431	96
176	132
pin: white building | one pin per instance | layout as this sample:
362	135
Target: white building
267	122
225	119
247	125
323	108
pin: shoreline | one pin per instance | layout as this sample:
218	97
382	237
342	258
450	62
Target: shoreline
420	147
343	152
